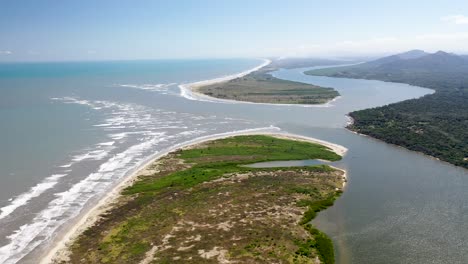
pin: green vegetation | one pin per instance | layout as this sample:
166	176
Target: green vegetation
201	205
316	206
435	124
322	242
261	87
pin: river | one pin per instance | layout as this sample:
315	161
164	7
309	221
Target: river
399	206
96	126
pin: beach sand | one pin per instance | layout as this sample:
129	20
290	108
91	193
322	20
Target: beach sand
191	90
229	77
60	251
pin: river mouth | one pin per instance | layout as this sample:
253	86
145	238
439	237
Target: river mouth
398	205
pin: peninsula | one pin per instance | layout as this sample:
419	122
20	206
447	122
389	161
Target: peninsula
202	204
259	86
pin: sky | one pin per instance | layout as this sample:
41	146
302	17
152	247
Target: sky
61	30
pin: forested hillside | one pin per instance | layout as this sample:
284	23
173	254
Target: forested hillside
435	124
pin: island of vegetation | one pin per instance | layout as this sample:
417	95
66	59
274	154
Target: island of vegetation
436	124
261	87
202	204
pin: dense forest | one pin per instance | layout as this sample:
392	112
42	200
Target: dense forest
435	124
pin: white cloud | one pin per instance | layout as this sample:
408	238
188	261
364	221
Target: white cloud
456	19
5	52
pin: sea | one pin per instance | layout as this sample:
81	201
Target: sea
71	131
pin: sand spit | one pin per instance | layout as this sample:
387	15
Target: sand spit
60	252
190	90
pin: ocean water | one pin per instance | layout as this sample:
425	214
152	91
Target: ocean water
71	131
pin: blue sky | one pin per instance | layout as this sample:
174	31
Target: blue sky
35	30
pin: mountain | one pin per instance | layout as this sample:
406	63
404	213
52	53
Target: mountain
439	70
464	57
419	60
439	61
412	54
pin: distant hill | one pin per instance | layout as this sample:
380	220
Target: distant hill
412	54
439	71
435	124
439	61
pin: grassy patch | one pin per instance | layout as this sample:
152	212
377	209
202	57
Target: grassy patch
261	87
214	207
258	148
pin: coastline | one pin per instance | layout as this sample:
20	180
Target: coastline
59	252
190	90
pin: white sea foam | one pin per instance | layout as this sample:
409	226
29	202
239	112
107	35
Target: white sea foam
161	88
123	123
67	204
189	133
118	136
110	143
35	191
97	154
96	105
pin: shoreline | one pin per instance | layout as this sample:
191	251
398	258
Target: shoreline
59	252
406	149
190	91
351	122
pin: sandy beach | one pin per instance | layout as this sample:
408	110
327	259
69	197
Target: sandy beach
229	77
190	92
60	250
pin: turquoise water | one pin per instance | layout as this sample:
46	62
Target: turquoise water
38	132
71	131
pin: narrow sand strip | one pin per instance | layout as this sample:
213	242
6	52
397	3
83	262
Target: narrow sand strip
60	251
230	77
190	90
